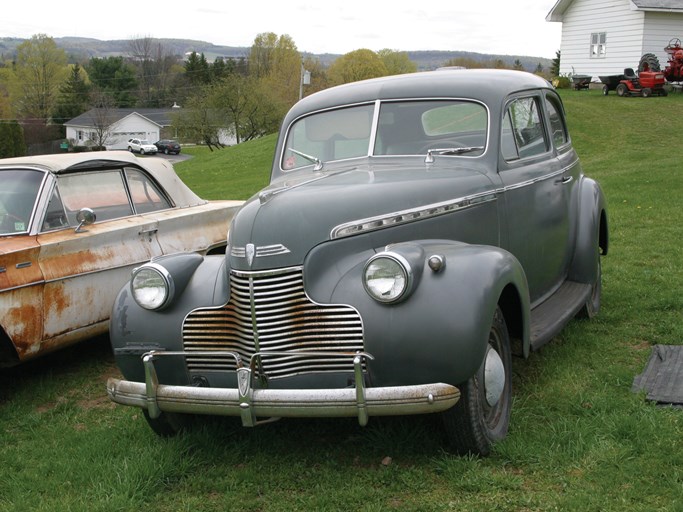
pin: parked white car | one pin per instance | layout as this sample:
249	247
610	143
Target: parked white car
141	146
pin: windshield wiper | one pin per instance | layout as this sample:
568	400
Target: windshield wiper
450	151
318	163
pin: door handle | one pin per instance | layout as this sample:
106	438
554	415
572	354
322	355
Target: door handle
566	179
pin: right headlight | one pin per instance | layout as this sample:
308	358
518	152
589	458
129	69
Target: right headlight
387	277
152	286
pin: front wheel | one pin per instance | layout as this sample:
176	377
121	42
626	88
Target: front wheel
592	305
482	415
168	424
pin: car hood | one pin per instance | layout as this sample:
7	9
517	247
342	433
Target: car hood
281	224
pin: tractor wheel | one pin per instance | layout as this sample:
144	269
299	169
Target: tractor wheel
622	90
605	90
652	62
647	92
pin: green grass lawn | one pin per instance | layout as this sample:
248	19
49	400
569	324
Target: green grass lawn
579	439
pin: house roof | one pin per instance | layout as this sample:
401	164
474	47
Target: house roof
561	6
159	116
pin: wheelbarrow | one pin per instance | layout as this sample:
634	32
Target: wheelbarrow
581	81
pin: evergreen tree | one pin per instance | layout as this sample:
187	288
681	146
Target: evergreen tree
11	140
74	96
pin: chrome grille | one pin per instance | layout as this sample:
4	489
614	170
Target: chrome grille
271	312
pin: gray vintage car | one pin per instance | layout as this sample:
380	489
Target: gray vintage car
417	232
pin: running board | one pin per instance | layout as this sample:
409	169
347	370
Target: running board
548	319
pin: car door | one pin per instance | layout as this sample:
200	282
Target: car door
537	190
85	268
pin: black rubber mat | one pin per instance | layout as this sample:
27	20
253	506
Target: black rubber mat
662	379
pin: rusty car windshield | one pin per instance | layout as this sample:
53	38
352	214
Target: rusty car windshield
18	196
403	127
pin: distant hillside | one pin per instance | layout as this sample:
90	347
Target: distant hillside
80	49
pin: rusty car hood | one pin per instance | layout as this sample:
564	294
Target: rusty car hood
281	224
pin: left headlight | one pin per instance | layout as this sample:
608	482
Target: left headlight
387	277
152	286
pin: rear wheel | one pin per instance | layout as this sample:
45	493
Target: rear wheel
165	151
649	62
482	415
622	90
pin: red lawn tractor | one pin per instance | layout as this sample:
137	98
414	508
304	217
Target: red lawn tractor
645	84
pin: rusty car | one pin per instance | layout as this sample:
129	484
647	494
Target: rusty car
72	226
417	232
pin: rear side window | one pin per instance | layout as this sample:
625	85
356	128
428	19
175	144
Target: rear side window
557	126
144	193
523	134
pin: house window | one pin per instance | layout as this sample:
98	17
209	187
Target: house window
598	45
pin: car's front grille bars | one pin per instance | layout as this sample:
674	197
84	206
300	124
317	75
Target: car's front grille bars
271	312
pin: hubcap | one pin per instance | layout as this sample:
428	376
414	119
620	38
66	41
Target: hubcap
494	377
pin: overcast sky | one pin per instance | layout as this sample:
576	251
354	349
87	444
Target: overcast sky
509	27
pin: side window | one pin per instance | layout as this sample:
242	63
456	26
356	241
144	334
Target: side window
55	217
557	126
523	134
103	191
144	193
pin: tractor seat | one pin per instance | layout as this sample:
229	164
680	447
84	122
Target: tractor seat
630	75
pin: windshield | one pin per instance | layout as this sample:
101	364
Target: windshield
18	195
447	127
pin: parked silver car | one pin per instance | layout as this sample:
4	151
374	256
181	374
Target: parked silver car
417	231
71	229
141	146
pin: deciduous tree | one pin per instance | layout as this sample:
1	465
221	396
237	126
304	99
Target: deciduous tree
39	71
356	65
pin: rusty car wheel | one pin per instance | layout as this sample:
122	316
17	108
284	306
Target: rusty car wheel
482	415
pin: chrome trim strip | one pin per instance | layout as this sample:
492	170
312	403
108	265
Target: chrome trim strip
262	251
411	215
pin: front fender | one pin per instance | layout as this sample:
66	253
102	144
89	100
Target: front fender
134	330
440	332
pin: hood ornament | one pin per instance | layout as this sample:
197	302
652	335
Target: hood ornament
250	253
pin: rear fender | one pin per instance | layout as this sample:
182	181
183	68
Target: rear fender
440	331
592	236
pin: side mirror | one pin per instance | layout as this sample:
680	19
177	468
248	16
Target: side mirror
85	217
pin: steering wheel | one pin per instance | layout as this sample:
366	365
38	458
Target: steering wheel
675	42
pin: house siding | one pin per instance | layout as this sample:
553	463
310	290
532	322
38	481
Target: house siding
660	28
630	31
625	32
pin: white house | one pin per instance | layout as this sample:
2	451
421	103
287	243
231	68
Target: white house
115	126
602	37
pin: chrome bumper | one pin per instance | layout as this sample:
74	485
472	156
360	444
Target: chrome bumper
250	403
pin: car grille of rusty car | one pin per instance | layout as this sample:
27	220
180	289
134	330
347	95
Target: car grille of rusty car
271	313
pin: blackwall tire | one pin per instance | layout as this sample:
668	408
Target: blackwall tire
652	62
473	425
169	424
592	305
622	90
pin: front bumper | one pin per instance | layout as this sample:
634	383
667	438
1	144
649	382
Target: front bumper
251	404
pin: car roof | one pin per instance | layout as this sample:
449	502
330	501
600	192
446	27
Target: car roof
487	85
64	163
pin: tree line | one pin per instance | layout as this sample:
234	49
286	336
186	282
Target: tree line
247	97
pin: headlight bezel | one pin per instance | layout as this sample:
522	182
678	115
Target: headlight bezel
165	278
406	270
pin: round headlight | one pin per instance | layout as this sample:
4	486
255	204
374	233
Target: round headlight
387	277
152	286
